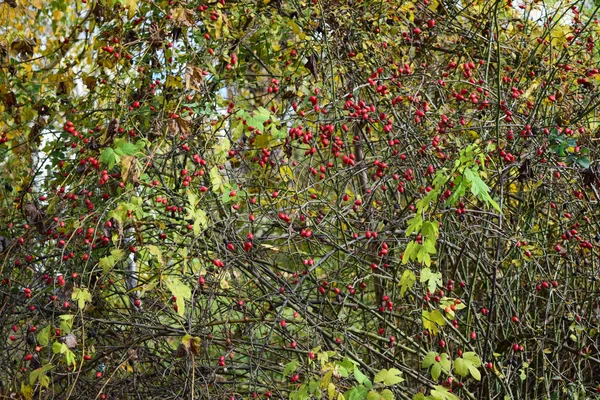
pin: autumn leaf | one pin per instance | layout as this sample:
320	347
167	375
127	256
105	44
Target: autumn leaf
194	79
183	17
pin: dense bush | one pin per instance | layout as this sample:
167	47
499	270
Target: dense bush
299	199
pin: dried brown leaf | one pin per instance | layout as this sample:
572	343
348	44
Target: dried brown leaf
194	79
183	17
178	126
70	340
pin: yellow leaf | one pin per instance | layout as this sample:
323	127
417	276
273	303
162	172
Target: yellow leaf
296	29
409	7
174	82
224	284
331	391
219	27
270	247
26	391
131	6
286	173
473	135
36	3
57	14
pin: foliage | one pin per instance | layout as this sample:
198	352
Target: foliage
341	199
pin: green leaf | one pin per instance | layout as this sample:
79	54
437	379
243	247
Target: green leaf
441	393
475	372
373	395
432	320
436	371
82	295
423	256
70	357
479	188
385	394
59	348
411	251
357	393
109	157
358	375
388	377
430	229
221	149
460	367
106	263
583	162
445	363
290	367
156	252
40	374
423	204
468	364
414	224
429	245
433	279
216	179
43	336
331	391
429	359
181	291
66	322
473	358
200	221
125	148
407	281
192	199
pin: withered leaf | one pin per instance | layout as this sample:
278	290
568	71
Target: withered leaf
190	344
133	354
35	217
61	89
111	129
130	170
312	65
183	17
9	100
23	47
90	82
70	340
193	77
195	345
4	243
156	36
178	126
182	351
